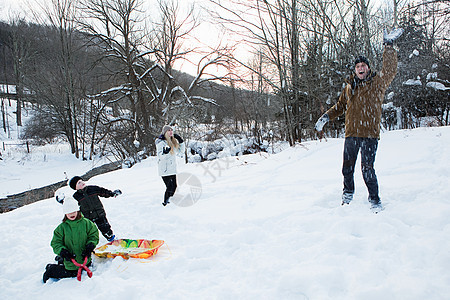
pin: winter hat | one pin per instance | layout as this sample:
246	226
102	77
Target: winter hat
362	59
70	205
165	129
73	182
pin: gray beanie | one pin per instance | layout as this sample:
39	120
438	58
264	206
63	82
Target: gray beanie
165	129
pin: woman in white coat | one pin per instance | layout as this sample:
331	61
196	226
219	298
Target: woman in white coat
168	145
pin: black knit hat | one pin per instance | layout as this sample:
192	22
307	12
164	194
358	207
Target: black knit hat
73	182
362	59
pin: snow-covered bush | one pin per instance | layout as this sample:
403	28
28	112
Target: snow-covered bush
229	145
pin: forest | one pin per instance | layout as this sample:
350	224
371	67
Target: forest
106	75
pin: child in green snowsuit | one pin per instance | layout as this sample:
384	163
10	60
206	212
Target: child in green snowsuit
76	237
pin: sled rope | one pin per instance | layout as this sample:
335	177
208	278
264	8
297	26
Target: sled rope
81	267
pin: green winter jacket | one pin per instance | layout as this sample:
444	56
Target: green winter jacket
361	100
74	236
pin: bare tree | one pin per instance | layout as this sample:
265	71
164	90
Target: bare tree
308	45
275	27
114	27
20	51
60	88
144	55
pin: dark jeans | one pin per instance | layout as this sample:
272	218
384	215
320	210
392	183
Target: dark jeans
171	186
368	147
104	227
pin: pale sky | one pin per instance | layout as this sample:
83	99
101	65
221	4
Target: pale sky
10	8
208	35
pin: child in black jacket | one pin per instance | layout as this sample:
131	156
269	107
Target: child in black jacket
91	206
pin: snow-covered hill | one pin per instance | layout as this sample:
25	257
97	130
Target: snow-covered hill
24	167
263	227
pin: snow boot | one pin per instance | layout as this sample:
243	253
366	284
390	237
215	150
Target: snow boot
375	204
46	277
376	208
111	238
347	198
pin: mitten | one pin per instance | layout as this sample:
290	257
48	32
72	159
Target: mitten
389	39
88	250
60	198
321	122
117	193
66	254
180	140
59	259
166	150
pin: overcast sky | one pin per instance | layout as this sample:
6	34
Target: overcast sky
12	7
206	33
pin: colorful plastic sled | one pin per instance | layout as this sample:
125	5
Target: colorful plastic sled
127	248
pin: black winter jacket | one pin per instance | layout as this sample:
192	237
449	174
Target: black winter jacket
90	204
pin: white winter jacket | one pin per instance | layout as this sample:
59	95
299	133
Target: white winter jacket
167	163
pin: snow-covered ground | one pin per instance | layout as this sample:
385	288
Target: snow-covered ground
263	227
25	167
21	171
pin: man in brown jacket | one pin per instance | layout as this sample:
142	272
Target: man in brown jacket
361	100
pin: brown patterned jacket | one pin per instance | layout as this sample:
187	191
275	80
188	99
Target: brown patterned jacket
361	100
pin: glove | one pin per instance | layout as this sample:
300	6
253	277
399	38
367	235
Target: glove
117	193
321	122
388	39
89	249
180	140
66	254
166	150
